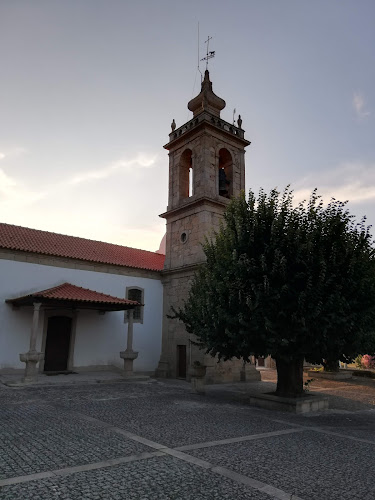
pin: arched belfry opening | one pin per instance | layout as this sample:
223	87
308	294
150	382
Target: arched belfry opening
225	173
186	174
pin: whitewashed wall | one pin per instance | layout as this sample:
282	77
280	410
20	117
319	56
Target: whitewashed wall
99	339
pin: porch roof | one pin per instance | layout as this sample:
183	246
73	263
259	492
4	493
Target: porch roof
68	295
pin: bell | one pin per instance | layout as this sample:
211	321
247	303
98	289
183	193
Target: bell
223	183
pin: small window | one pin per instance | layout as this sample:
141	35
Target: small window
135	293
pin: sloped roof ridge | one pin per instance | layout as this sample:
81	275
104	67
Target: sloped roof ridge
69	287
68	292
56	244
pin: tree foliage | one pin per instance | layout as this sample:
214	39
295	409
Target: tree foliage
292	281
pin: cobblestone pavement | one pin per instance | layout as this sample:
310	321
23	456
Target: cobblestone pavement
158	440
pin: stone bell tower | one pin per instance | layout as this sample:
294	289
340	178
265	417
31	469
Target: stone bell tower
206	168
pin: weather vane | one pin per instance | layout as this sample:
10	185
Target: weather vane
209	54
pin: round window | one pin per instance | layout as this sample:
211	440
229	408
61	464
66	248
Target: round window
183	237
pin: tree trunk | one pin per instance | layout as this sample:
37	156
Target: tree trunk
289	378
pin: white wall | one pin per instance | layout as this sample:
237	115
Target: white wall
99	338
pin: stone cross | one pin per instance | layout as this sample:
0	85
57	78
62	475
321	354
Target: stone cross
129	355
32	357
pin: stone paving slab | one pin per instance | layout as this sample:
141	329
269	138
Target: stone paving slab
359	425
37	438
311	465
15	379
88	392
162	478
177	419
96	441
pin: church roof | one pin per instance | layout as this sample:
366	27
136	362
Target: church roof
59	245
69	293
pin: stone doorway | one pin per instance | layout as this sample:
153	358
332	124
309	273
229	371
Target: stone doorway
58	341
181	361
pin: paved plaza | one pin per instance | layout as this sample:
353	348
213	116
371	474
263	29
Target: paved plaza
156	439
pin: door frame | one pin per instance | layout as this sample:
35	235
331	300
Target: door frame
60	312
178	360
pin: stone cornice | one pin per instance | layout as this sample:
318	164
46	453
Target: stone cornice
192	203
187	270
202	121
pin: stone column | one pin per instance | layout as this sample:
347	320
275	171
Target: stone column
164	370
32	357
129	355
249	373
198	373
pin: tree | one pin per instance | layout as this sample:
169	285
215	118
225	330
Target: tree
293	281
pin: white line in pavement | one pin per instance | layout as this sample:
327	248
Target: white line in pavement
338	434
234	476
321	430
239	439
222	471
79	468
164	450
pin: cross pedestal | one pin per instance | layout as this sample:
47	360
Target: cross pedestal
32	357
129	355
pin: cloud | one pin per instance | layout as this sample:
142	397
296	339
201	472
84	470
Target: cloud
352	181
141	161
6	182
12	152
359	105
13	195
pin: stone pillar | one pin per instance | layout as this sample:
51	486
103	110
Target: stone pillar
32	357
163	369
249	373
197	373
129	355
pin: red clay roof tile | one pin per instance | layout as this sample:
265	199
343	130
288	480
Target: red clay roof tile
59	245
73	293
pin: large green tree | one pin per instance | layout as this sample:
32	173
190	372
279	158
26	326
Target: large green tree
293	281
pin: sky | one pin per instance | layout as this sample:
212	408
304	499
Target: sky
89	88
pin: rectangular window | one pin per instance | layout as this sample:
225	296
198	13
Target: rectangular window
138	295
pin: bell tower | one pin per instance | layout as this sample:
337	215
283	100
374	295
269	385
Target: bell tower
206	168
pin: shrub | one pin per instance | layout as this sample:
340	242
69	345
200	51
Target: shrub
368	362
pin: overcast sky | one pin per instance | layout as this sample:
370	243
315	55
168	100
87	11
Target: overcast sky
88	90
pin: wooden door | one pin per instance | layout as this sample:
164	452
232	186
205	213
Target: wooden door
181	361
57	344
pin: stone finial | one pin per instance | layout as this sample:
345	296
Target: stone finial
239	121
206	100
173	125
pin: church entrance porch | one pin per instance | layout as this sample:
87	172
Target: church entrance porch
60	306
58	344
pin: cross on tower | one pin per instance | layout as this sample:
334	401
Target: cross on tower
209	54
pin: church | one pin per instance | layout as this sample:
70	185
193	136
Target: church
72	304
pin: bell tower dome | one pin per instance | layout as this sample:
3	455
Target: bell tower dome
206	168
